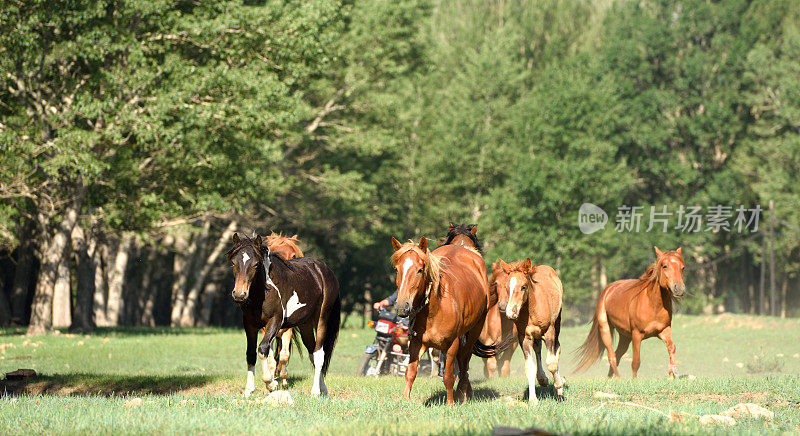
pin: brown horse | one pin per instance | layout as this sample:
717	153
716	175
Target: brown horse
531	296
446	296
287	248
275	293
637	309
498	326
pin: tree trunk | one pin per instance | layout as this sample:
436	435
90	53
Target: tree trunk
82	316
53	252
22	277
98	252
207	299
116	276
186	271
179	278
62	292
784	290
188	314
5	308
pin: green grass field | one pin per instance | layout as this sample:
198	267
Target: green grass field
190	382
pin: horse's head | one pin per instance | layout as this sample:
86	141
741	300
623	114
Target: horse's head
499	280
246	256
669	269
465	235
514	283
415	267
284	246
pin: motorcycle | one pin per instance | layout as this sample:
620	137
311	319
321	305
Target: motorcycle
388	353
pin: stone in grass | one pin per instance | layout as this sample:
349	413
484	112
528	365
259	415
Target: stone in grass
749	410
716	419
20	374
278	399
133	402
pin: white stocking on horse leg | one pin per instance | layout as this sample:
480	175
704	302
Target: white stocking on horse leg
530	371
319	388
251	380
268	371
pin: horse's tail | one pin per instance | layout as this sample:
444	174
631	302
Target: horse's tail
482	350
296	341
592	347
331	330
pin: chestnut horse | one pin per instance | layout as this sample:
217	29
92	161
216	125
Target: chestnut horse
496	326
275	293
287	248
445	294
637	309
531	297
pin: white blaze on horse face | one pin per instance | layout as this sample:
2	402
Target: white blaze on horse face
319	388
406	266
293	304
245	258
512	285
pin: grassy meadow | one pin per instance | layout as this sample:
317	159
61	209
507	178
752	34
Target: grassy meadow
190	381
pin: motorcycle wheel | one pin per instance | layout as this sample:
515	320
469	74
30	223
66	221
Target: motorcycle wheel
364	366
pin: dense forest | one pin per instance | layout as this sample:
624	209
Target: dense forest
137	137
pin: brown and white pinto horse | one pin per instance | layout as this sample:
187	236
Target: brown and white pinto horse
287	248
497	326
275	293
637	309
446	296
531	297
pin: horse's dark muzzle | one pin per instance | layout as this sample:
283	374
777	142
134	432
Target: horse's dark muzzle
239	298
679	290
403	309
502	306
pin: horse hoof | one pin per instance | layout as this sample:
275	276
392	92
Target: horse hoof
271	385
543	381
284	382
247	392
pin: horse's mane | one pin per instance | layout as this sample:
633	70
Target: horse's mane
432	262
463	229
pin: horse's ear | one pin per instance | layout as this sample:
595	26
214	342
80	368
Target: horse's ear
474	229
396	244
235	238
504	266
679	251
496	264
659	253
258	242
528	265
294	237
451	227
423	244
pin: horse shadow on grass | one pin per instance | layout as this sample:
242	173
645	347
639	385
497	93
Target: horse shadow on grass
479	394
82	384
545	392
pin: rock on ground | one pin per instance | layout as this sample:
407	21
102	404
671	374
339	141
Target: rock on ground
278	398
749	410
717	419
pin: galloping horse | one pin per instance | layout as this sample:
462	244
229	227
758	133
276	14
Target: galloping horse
531	296
285	247
275	293
446	296
496	326
637	309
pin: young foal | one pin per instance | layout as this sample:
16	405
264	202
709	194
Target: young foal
446	295
287	248
274	293
637	309
498	326
531	296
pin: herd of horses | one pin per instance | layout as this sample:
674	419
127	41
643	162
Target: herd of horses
452	307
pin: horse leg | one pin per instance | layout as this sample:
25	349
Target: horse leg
505	364
266	354
489	366
622	347
541	377
464	389
608	341
666	336
553	356
636	342
530	368
252	335
314	354
414	350
285	353
449	378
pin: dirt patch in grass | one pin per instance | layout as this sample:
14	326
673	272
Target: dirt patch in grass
729	321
